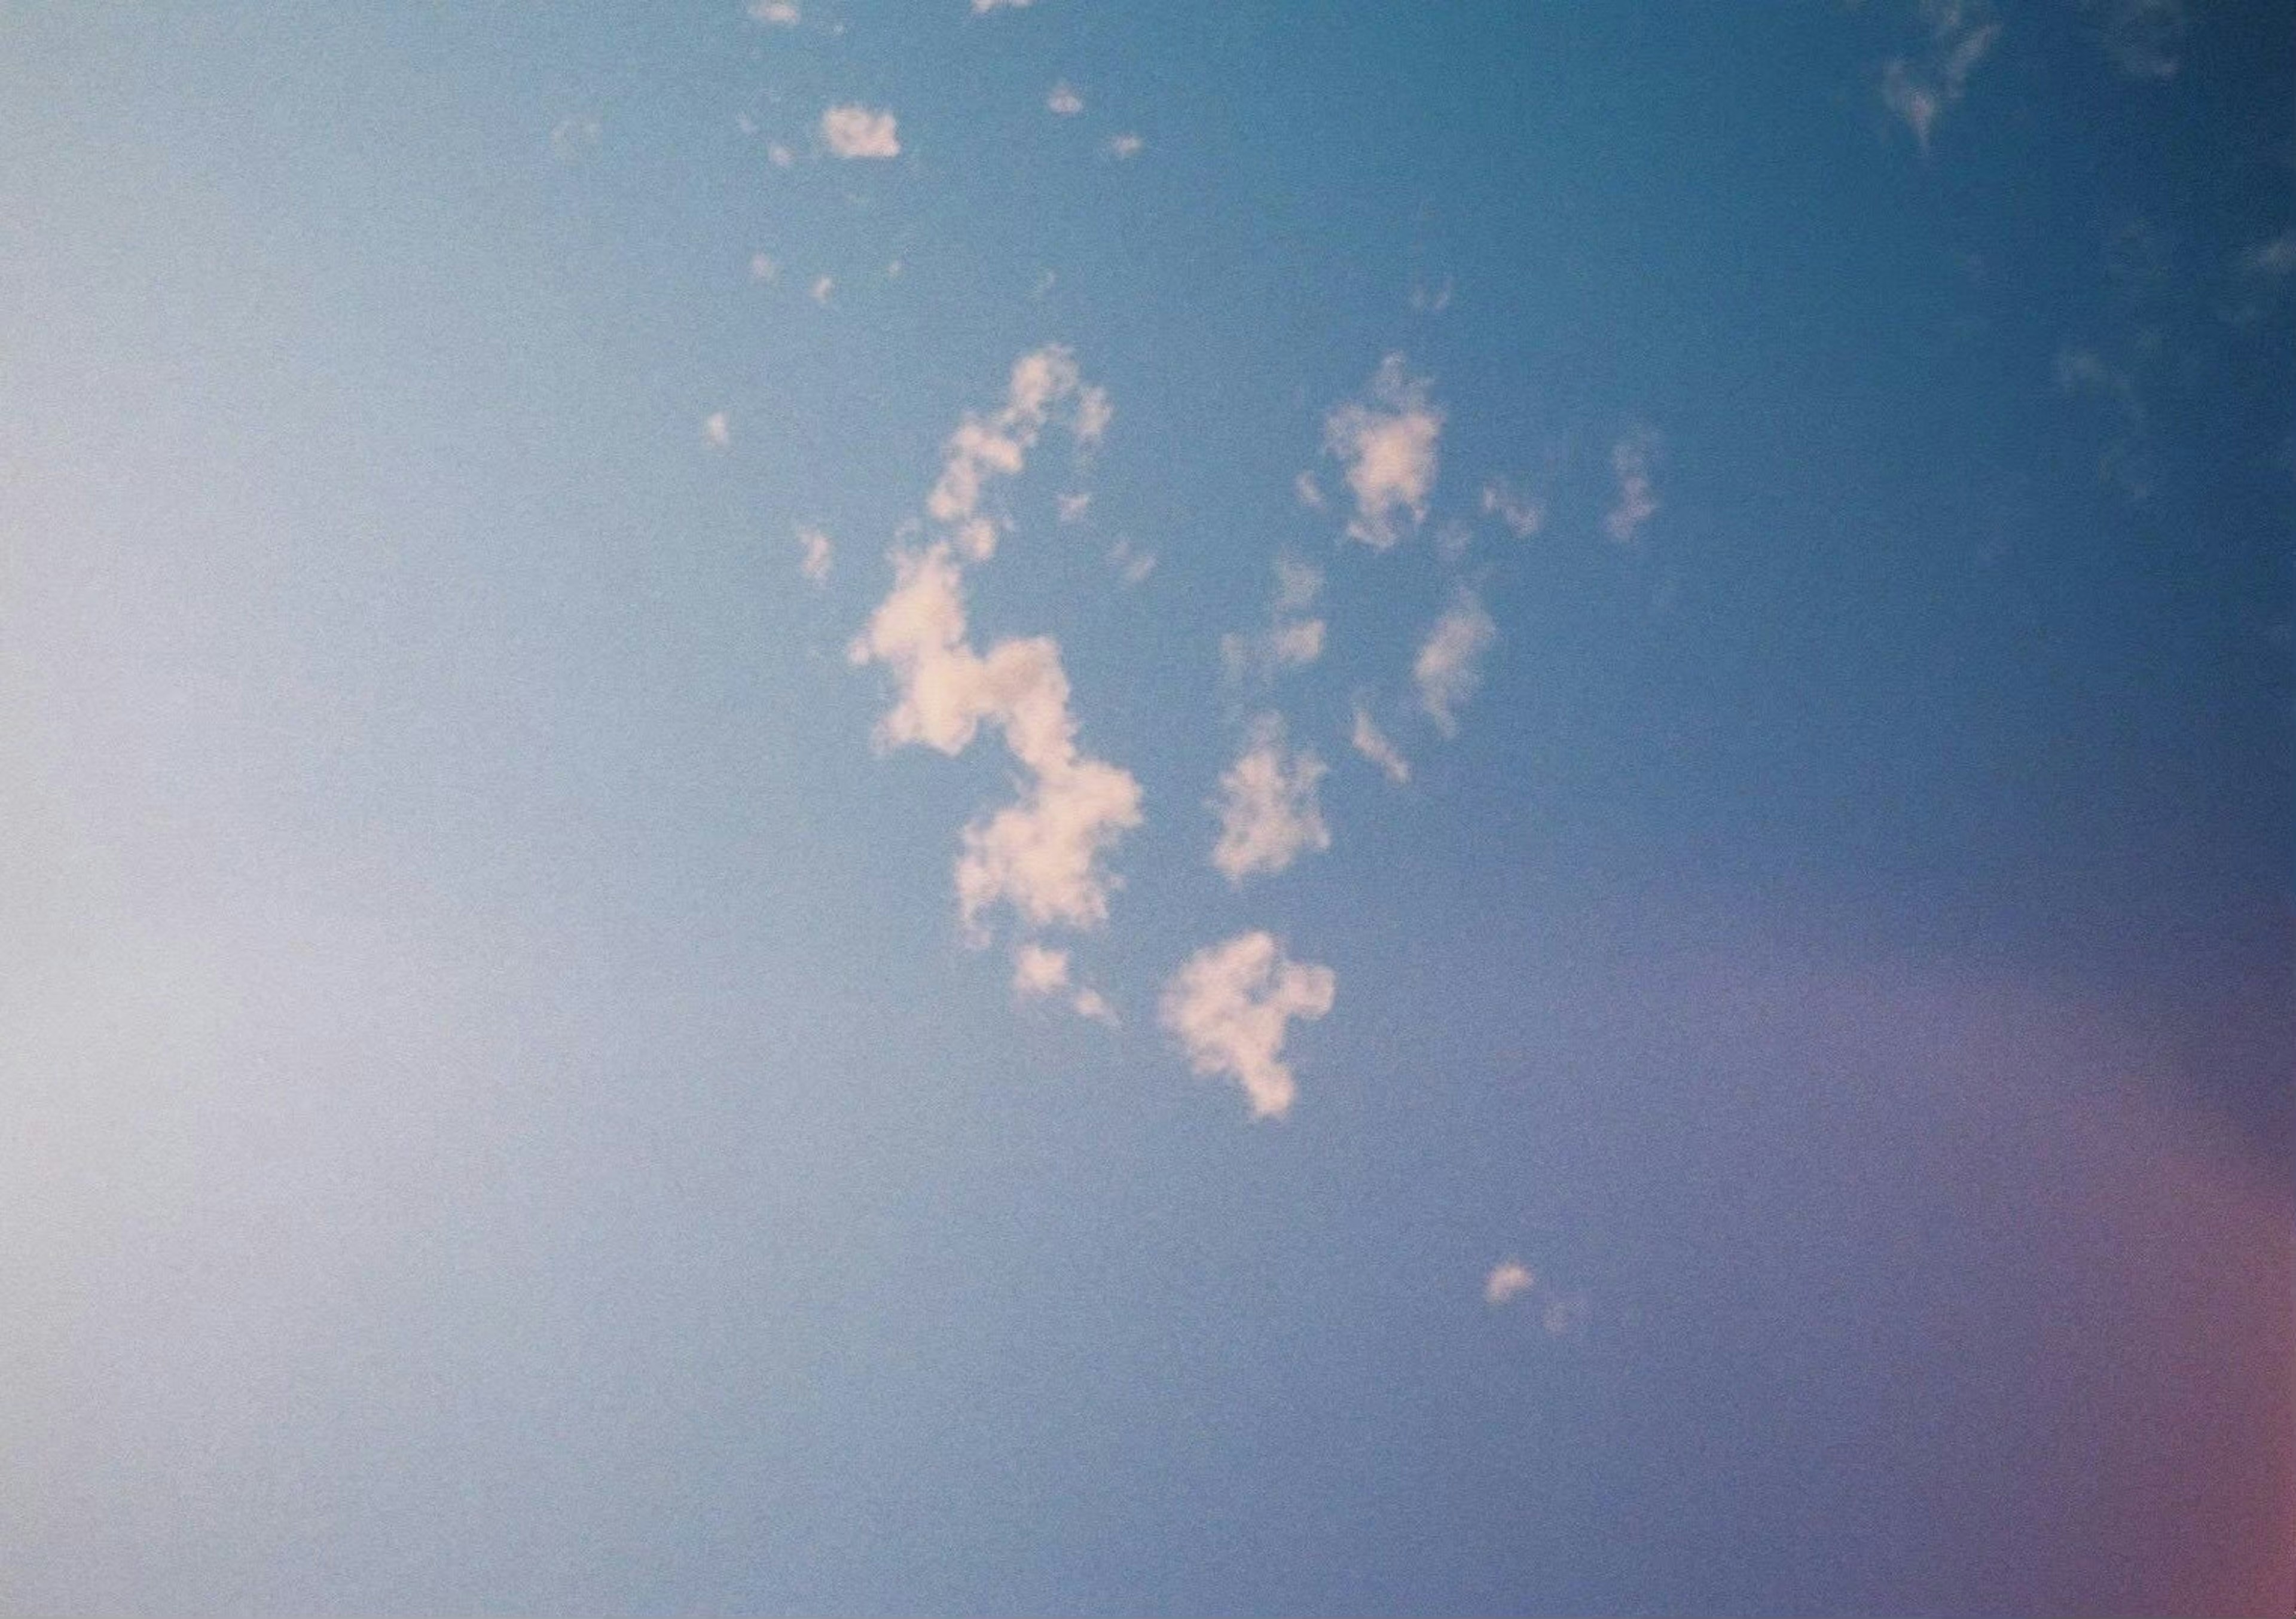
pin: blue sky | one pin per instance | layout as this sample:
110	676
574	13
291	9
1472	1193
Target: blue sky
1074	808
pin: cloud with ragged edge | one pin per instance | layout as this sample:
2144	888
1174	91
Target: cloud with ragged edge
815	554
1045	856
1267	807
1509	1279
1920	90
1063	100
1385	443
1449	664
851	130
1292	639
1230	1007
1523	514
775	14
1040	973
984	448
1637	497
1368	739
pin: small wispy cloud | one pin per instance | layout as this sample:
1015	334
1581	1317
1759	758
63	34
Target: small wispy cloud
981	8
1040	973
1369	740
716	430
776	13
851	130
1231	1007
2143	37
822	288
573	136
997	445
1386	443
2275	260
1449	667
1267	807
1509	1279
1431	299
779	155
1063	101
1124	147
763	267
1920	90
1292	639
815	554
1309	492
1132	564
1637	498
1523	514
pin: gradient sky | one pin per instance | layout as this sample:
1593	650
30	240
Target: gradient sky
977	806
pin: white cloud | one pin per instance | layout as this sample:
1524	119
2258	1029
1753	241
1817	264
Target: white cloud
1446	670
1919	93
1386	442
997	445
1637	502
1298	585
779	13
1369	740
1431	300
1122	147
1132	564
1073	507
1230	1007
717	430
779	155
1310	493
1040	973
1296	643
981	8
822	287
1523	514
815	554
1290	642
1042	855
1267	809
852	130
762	267
1063	101
1509	1279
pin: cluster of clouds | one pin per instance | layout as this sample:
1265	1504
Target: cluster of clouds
1510	1282
1044	858
1295	637
2143	39
1919	88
